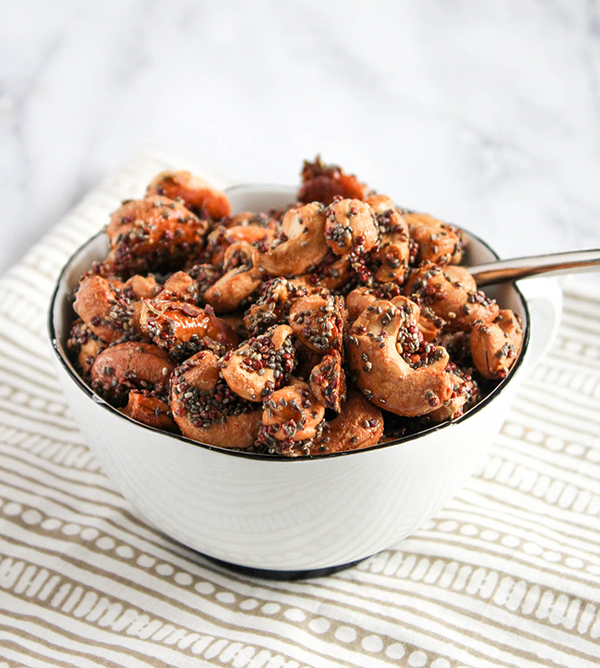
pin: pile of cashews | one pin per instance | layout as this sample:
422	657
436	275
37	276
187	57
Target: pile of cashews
339	323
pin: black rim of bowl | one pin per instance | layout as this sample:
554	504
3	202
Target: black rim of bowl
99	401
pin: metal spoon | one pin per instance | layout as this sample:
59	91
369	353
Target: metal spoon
524	267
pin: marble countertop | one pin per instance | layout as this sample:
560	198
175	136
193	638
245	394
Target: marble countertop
484	114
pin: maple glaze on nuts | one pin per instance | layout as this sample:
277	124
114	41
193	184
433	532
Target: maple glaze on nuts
193	192
301	331
206	409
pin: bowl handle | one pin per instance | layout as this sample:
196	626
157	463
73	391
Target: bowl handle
545	301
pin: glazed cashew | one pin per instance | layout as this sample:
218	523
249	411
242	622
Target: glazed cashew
85	344
204	276
142	286
432	287
496	345
261	365
437	241
460	277
394	251
332	274
464	394
359	426
381	341
180	287
206	410
105	309
328	381
238	283
153	234
250	233
358	300
318	321
273	305
196	194
131	366
304	244
291	418
323	183
350	227
219	240
431	324
183	329
246	218
145	408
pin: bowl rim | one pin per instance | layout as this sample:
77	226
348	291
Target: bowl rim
99	401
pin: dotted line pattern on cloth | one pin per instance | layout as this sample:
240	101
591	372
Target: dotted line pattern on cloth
26	579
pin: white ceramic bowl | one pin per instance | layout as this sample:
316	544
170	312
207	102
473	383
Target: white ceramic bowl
288	516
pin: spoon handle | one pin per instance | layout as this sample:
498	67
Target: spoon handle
524	267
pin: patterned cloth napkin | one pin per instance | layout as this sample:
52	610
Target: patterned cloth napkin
508	574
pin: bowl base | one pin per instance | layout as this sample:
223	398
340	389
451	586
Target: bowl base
269	574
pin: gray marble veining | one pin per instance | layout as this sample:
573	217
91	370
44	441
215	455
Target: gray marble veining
485	114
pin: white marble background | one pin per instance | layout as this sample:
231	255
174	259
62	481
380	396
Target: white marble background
486	114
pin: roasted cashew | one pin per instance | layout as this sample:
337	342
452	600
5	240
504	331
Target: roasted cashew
141	287
323	183
496	345
145	408
205	408
437	241
291	419
219	240
85	345
432	287
430	324
357	301
153	234
239	254
318	321
460	277
392	367
204	276
245	218
131	366
180	287
350	227
233	289
238	283
196	194
183	329
394	250
273	305
464	394
333	274
359	426
303	245
328	381
250	233
105	309
261	364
